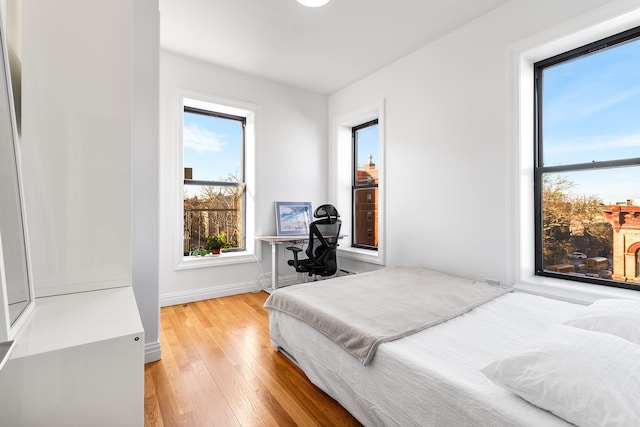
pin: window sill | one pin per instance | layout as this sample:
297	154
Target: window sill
190	262
576	292
359	254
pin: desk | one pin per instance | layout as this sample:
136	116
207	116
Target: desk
275	241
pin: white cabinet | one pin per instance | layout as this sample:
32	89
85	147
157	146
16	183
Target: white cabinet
78	362
76	143
79	359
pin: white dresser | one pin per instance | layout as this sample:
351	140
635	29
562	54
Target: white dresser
78	362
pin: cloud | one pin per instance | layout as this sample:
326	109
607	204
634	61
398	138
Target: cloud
609	102
586	100
202	140
594	143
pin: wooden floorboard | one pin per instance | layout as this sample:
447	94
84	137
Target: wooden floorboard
218	368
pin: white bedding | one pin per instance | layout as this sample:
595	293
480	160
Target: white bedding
360	312
431	378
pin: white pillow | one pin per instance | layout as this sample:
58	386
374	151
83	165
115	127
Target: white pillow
619	317
587	378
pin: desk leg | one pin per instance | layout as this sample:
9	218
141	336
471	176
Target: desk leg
274	266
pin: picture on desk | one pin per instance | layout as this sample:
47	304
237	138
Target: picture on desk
293	218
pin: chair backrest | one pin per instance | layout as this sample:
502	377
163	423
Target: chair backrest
323	239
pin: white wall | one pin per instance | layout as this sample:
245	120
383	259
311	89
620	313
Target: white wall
449	150
291	138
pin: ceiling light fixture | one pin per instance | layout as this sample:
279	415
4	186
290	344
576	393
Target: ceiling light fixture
313	3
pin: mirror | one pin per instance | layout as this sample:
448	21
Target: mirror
17	293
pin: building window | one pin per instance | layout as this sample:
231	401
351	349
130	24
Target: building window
214	179
587	163
365	185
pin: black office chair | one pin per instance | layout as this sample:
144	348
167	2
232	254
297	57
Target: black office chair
323	244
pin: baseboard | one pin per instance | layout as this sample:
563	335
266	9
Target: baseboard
151	352
184	297
264	283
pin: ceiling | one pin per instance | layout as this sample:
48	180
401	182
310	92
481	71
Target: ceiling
319	49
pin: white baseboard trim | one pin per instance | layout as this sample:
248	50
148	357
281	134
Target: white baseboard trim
151	352
184	297
175	298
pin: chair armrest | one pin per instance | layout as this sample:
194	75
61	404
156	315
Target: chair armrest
294	249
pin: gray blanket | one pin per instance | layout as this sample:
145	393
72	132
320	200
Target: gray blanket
362	311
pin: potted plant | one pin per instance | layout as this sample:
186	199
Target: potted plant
217	242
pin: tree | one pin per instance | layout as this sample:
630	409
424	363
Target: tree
556	219
217	208
571	222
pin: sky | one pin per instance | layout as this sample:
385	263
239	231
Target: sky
367	145
592	113
212	147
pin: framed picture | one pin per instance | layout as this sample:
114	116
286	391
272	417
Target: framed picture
293	218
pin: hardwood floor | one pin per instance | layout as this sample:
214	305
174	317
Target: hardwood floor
218	368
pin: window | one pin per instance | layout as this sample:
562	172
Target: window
214	179
365	185
343	166
587	163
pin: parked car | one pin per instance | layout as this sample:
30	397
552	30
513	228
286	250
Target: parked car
577	255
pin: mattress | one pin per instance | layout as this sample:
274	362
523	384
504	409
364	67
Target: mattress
431	378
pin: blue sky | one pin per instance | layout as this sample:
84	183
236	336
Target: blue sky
212	147
592	113
367	145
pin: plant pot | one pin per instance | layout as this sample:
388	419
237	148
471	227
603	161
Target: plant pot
215	251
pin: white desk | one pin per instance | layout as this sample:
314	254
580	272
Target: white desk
276	241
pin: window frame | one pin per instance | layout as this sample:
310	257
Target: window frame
355	186
539	169
241	185
252	251
340	177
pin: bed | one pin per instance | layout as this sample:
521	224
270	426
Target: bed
439	375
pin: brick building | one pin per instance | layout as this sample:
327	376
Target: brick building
625	220
366	203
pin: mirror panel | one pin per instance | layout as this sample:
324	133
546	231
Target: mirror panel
15	264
